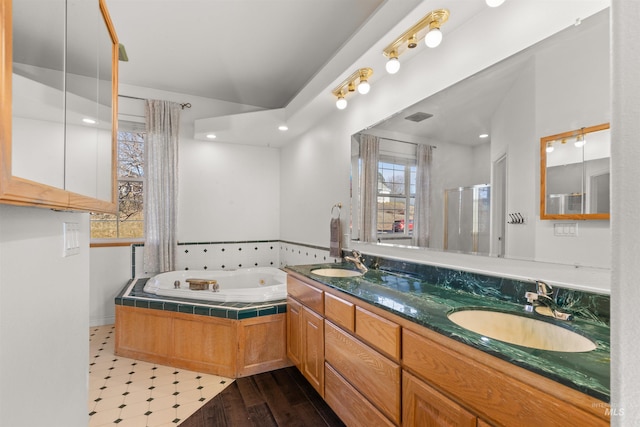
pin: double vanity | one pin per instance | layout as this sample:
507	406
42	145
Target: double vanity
402	344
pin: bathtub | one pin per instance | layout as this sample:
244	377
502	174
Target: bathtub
242	285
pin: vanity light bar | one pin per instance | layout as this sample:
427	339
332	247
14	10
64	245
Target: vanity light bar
428	28
359	79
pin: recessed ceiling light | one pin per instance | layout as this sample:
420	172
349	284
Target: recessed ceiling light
283	127
89	121
483	135
211	136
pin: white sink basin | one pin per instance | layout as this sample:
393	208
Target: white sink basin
336	272
521	330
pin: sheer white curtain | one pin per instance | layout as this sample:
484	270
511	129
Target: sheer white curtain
369	153
161	186
424	154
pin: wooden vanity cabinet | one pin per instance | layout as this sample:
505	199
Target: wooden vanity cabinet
379	369
422	405
375	376
493	389
379	332
294	332
349	404
312	340
340	311
305	331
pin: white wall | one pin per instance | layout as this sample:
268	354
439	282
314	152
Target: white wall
44	320
110	270
228	192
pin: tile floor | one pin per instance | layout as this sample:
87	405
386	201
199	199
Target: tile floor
130	393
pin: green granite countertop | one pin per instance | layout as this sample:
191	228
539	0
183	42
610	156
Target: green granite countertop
428	305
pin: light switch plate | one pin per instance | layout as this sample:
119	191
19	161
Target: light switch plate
565	229
71	233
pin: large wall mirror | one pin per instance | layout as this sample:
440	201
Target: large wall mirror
58	142
575	174
481	177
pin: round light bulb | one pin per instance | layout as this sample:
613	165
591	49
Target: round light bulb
341	103
364	87
494	3
550	148
433	38
393	65
283	128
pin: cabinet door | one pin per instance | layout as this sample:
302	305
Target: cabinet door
294	332
425	407
313	349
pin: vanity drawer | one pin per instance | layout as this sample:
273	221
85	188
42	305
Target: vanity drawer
339	311
306	294
352	408
379	332
373	375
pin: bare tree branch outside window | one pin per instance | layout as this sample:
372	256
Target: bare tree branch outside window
129	222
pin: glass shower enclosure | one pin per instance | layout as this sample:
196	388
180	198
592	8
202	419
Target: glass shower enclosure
467	219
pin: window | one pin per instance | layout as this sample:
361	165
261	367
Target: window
396	195
128	223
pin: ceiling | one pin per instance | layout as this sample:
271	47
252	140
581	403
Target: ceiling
253	52
278	59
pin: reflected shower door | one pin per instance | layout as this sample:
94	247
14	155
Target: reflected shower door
467	219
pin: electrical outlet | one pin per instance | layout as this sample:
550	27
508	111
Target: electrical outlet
71	233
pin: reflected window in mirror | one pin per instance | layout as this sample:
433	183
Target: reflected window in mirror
396	196
575	174
393	190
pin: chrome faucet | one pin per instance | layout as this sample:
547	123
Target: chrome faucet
356	259
543	297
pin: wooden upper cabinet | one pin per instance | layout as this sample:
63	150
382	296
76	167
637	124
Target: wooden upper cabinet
59	73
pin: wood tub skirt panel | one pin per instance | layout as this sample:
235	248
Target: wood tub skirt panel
219	346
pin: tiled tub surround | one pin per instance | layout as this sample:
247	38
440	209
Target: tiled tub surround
237	254
425	295
133	295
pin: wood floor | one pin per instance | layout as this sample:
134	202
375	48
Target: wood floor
278	398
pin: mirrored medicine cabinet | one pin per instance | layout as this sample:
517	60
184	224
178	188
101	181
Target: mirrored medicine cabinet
575	174
59	105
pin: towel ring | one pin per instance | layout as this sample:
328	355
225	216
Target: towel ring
337	205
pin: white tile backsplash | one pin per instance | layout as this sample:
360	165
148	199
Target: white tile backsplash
234	255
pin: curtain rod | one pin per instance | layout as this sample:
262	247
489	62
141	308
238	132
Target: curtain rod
398	140
183	106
